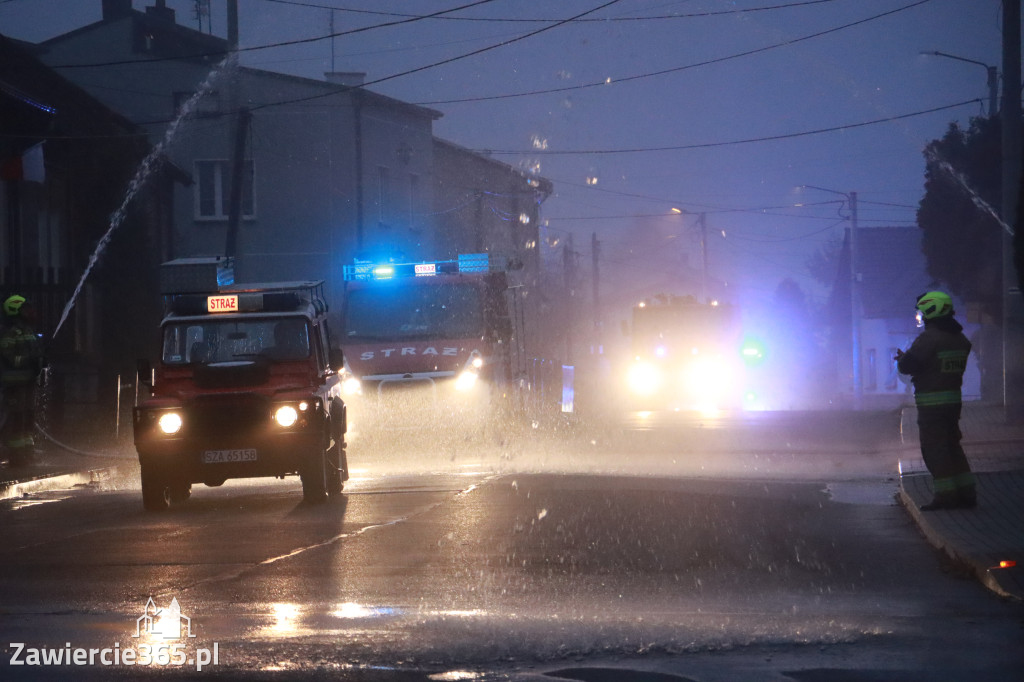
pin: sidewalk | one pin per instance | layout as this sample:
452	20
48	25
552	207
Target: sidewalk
56	465
977	539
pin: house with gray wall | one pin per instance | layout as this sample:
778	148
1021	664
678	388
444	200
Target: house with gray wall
891	272
329	170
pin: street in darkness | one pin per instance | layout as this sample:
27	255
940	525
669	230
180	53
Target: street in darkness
483	560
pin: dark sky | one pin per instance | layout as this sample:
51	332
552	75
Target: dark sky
642	106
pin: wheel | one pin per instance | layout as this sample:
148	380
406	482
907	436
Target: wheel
337	462
180	492
156	492
335	482
314	478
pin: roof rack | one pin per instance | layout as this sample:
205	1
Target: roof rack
267	297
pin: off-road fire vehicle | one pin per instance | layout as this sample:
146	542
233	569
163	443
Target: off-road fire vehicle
246	386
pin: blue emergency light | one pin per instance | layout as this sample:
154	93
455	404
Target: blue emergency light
377	270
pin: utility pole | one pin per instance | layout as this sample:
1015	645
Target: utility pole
858	381
242	115
1010	124
595	252
704	257
855	307
569	273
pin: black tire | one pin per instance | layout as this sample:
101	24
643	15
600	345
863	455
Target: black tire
156	491
314	479
337	462
335	484
180	492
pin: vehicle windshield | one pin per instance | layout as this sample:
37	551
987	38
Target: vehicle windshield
434	311
693	325
230	340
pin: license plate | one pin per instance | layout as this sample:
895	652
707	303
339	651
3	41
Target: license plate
221	456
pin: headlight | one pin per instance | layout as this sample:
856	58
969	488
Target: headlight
351	386
286	416
709	380
169	423
644	378
465	381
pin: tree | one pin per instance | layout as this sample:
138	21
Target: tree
961	240
822	264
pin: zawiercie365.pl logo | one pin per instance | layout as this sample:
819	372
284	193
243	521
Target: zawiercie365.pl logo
162	636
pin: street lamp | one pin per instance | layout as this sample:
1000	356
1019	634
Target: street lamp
858	382
993	77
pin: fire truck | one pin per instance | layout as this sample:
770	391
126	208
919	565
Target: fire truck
428	341
686	356
247	385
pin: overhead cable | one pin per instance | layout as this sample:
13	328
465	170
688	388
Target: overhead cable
707	62
705	145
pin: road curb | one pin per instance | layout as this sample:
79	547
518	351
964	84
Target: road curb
963	560
61	481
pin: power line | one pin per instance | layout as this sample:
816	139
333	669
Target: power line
717	60
286	43
442	62
705	145
692	15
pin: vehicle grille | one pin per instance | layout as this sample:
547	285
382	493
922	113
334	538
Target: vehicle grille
218	415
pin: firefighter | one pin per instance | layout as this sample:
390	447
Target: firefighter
21	361
936	361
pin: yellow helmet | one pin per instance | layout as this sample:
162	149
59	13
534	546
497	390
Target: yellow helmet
12	306
934	304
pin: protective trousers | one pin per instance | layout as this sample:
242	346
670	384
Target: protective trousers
939	428
19	404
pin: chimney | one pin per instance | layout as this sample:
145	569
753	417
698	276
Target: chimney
352	79
115	9
161	11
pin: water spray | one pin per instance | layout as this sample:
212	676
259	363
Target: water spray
961	180
142	174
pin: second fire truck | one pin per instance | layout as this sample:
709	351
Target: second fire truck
432	342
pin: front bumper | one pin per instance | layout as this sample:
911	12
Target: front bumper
225	439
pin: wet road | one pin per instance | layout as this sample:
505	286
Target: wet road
513	560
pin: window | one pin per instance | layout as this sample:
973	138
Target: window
871	380
234	340
425	312
212	190
893	378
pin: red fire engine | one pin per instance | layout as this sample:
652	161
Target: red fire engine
686	357
428	340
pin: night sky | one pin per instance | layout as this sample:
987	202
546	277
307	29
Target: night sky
639	107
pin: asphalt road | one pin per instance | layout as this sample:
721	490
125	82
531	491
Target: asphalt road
566	556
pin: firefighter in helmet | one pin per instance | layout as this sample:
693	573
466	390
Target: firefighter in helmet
936	361
21	361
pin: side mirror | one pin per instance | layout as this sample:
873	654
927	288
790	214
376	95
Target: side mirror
336	359
144	372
